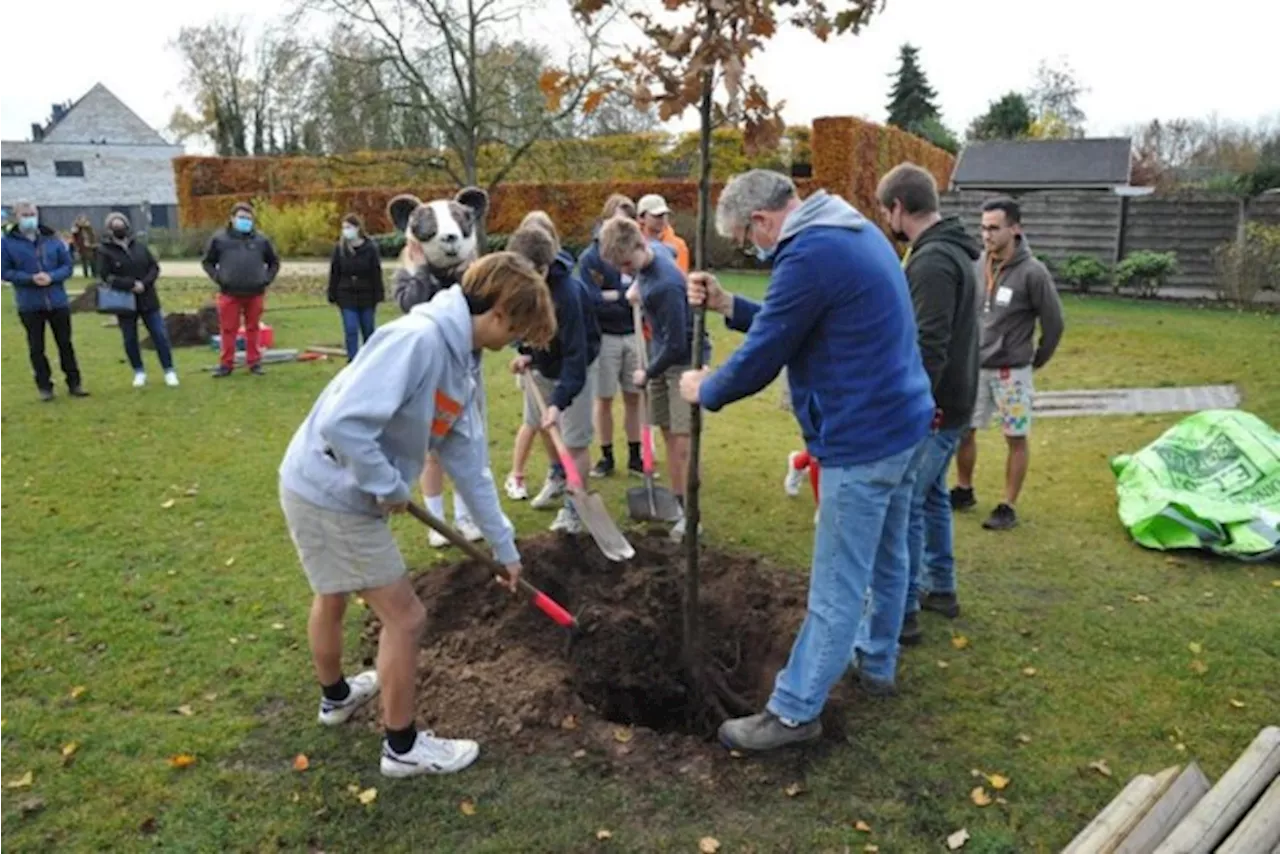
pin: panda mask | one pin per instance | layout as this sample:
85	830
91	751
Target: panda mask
440	234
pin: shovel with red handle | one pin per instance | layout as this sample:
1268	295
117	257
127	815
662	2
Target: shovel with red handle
648	503
541	601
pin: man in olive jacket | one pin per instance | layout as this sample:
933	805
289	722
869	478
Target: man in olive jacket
943	277
242	262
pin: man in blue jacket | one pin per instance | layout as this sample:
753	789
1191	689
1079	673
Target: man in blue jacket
36	262
838	315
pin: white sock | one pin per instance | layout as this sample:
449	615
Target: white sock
789	723
460	510
435	505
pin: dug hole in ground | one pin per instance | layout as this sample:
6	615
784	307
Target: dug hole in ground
491	667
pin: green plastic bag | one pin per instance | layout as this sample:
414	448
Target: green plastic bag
1212	481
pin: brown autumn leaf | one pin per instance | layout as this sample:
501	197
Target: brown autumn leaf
959	641
980	797
1199	667
301	762
1029	671
623	734
77	691
1024	738
860	825
23	782
167	504
957	840
794	789
185	710
602	834
368	796
569	722
182	760
147	826
467	807
592	103
999	782
708	845
69	749
1236	704
733	75
1101	766
551	83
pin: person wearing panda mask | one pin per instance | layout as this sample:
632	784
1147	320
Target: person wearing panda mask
440	243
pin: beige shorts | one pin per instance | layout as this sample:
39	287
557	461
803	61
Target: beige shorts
1007	393
341	552
575	422
616	366
667	409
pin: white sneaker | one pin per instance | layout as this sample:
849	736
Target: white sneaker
171	379
139	379
678	529
429	755
795	477
468	529
567	521
549	496
436	540
516	490
364	687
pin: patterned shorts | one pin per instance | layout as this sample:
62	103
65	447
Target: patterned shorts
1007	392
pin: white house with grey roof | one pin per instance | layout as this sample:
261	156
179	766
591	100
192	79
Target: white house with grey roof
93	157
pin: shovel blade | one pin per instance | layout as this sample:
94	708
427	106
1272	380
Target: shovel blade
596	518
652	504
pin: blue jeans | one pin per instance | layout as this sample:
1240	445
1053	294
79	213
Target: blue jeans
933	561
357	325
154	322
860	543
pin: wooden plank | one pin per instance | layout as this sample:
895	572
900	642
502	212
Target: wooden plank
1164	815
1216	814
1123	811
1259	831
327	351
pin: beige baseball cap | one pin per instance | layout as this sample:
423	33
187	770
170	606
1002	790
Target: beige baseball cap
652	204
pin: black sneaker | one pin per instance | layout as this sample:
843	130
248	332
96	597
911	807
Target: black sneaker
962	498
604	468
46	394
257	370
220	372
945	604
873	687
1001	519
911	634
635	468
77	391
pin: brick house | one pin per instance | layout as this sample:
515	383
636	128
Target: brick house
93	157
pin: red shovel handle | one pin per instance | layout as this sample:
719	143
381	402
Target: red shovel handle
553	609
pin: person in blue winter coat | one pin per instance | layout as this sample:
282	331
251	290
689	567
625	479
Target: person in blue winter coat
37	263
838	315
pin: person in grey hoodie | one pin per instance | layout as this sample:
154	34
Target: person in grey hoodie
943	279
1019	292
352	462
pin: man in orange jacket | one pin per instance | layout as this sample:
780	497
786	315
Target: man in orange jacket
654	218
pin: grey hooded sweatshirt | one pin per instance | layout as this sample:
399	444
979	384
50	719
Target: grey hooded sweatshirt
1018	293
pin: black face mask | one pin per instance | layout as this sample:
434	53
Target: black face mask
120	232
901	237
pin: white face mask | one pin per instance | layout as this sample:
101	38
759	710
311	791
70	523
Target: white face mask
350	232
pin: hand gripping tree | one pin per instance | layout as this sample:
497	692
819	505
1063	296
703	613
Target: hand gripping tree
688	53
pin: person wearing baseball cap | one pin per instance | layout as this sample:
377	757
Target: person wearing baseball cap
653	215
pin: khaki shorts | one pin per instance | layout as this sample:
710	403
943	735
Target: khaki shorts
1007	393
667	409
341	552
616	366
575	422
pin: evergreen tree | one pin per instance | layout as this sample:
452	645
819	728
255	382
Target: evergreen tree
911	100
1008	118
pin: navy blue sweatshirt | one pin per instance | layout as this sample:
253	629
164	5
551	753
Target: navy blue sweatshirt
577	341
666	304
599	276
838	315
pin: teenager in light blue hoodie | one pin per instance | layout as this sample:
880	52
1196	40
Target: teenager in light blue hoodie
409	390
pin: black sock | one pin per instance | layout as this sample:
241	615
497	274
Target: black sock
606	453
634	449
338	691
680	501
402	740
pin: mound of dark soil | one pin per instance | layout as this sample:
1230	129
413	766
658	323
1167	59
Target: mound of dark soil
491	666
186	329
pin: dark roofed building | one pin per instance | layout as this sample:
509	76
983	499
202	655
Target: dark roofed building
1021	166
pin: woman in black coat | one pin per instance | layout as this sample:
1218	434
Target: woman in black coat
126	264
355	282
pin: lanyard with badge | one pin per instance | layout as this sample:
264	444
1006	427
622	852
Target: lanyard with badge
1004	294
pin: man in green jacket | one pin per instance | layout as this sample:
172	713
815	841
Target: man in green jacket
1019	291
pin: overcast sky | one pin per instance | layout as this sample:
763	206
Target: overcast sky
1141	59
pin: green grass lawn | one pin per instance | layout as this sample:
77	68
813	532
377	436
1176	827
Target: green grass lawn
118	611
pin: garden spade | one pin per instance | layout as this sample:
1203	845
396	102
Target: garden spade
541	601
648	503
588	505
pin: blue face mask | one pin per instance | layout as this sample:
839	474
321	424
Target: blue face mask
28	223
350	232
244	225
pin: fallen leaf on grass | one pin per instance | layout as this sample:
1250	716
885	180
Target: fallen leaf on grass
999	782
980	797
69	749
1180	747
193	492
942	664
1236	704
1139	598
959	641
1101	767
467	807
861	826
211	697
182	760
301	762
604	835
353	788
22	782
871	849
77	691
957	840
578	754
147	826
368	796
185	710
1029	671
32	804
623	734
708	845
166	505
1198	666
229	561
794	789
1024	738
569	722
1195	648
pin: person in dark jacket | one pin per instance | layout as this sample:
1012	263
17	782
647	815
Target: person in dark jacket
618	357
942	273
36	262
355	283
837	312
84	243
126	264
242	263
564	371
